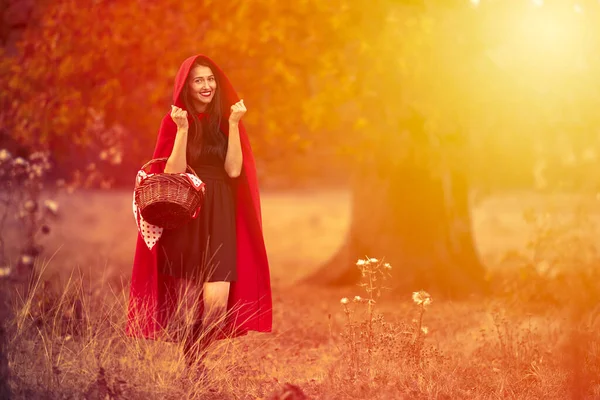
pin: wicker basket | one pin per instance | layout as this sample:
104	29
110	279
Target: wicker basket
167	200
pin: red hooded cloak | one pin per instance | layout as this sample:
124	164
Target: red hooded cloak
152	299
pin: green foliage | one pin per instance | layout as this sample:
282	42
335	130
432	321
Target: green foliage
301	69
119	59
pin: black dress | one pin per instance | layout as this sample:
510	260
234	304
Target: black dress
205	247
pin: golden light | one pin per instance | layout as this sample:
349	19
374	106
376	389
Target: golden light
545	31
542	41
536	81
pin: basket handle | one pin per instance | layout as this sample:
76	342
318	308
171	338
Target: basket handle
164	159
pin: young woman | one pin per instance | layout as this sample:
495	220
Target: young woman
219	257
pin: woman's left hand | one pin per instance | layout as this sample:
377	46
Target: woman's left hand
237	112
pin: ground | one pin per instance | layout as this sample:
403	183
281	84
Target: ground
73	347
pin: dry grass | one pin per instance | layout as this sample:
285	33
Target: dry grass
68	340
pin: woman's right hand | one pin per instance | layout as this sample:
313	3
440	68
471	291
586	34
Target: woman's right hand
179	116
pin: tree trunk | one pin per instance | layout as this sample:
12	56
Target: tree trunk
419	221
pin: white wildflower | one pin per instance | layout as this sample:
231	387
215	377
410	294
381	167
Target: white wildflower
344	301
20	161
357	299
373	260
425	330
26	259
39	163
361	262
29	206
387	266
4	155
5	271
51	206
421	297
36	171
416	298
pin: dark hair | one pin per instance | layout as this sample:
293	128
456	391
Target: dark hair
205	137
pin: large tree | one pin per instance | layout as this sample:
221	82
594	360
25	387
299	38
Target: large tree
410	151
433	80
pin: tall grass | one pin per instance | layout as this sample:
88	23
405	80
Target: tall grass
68	338
536	336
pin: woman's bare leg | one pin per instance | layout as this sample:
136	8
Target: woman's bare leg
216	296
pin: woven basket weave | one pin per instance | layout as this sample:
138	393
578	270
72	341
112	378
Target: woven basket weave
167	200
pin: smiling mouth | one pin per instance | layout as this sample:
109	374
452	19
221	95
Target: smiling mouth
206	94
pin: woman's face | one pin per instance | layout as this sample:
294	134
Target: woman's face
202	86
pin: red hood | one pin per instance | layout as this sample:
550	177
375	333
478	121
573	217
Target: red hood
228	94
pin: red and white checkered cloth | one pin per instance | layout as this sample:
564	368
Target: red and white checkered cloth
151	233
